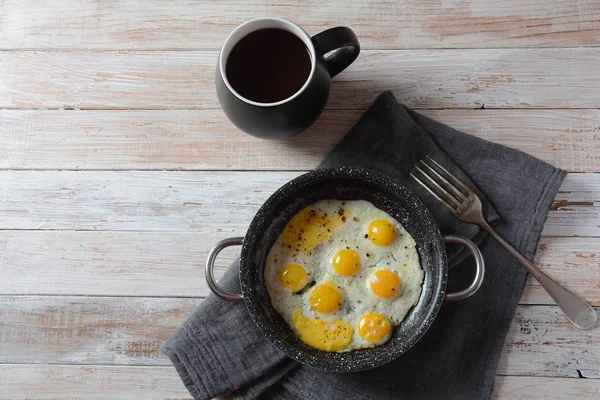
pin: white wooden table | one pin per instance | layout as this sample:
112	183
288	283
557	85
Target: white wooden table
119	171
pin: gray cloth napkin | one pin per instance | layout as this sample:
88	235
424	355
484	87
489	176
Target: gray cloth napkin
218	350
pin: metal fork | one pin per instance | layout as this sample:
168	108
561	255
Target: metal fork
466	206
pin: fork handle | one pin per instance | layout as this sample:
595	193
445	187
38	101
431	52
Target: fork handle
577	310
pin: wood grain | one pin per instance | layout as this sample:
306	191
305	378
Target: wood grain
182	24
526	388
490	78
190	139
542	342
575	209
110	382
107	263
88	330
574	262
155	264
79	382
73	80
208	202
125	330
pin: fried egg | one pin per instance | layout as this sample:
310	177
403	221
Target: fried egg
342	274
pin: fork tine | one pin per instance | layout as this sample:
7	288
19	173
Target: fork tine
451	175
433	193
453	202
461	196
447	202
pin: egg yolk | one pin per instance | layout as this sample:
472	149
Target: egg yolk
327	336
293	277
309	228
381	232
373	327
385	283
346	262
325	298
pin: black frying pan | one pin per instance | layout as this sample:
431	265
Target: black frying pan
343	183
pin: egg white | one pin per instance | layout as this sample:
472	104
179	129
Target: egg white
400	256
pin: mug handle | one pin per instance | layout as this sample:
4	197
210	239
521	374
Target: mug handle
479	268
210	266
343	41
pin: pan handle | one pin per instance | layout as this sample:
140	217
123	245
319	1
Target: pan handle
210	266
479	268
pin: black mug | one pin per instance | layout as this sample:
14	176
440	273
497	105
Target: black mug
290	115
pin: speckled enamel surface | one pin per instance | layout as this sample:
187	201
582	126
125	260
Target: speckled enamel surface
344	183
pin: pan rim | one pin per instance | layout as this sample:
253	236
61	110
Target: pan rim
344	362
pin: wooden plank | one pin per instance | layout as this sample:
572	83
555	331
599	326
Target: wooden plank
206	202
530	388
576	207
542	342
190	139
91	80
166	139
494	78
125	330
574	262
155	264
107	263
78	382
181	24
88	330
71	382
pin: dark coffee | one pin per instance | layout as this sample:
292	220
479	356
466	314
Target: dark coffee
268	65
